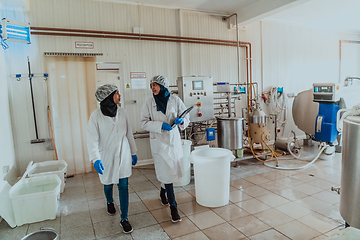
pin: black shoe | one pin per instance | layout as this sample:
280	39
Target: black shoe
126	226
175	217
111	209
163	198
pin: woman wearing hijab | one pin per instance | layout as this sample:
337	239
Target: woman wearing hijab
157	115
112	149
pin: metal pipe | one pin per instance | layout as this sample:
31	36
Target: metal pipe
223	103
232	97
238	48
141	136
124	35
133	38
229	104
142	132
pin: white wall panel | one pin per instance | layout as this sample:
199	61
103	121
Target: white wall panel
293	56
6	137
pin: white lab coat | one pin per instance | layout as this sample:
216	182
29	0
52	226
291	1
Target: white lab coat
110	139
166	147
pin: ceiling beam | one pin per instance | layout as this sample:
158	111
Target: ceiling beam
263	9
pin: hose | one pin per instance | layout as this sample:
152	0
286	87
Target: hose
248	131
276	107
305	166
292	154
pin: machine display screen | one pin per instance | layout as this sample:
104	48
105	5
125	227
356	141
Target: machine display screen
324	89
198	85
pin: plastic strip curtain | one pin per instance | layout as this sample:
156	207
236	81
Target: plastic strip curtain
71	92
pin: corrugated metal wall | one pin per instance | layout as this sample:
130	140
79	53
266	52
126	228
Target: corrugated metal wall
293	57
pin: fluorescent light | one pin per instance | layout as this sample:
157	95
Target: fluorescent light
12	30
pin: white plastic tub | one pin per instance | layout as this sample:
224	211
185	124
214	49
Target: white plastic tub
35	199
185	180
58	167
212	176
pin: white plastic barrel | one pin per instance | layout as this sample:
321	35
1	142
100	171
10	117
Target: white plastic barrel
212	176
185	180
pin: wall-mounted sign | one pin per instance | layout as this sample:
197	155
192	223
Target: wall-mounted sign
138	80
87	45
137	74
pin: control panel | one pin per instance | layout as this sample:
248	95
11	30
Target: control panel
325	92
197	92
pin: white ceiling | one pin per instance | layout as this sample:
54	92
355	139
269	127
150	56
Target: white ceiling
221	6
329	14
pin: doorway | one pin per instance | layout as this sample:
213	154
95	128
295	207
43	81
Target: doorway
72	86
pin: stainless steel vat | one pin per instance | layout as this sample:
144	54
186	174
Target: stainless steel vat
230	132
350	172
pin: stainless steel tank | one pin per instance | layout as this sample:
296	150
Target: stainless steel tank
350	172
230	132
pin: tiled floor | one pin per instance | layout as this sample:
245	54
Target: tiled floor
264	204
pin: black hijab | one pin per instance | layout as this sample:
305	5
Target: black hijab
161	99
108	107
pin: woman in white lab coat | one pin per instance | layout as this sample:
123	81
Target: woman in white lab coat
157	115
112	148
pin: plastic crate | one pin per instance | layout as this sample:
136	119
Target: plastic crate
58	167
35	199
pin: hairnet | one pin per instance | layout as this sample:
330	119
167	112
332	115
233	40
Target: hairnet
159	79
104	91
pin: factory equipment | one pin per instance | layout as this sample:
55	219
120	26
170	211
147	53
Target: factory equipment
314	111
326	92
198	92
258	132
350	178
230	132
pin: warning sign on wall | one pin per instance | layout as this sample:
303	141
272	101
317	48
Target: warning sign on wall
138	80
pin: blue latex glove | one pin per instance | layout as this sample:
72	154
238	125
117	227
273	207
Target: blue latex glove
134	160
179	121
165	126
99	167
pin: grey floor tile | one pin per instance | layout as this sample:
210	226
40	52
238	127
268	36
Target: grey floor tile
142	220
142	186
8	233
133	197
137	179
119	236
98	204
101	215
149	194
75	220
73	196
71	208
54	224
155	232
137	207
86	233
108	228
93	195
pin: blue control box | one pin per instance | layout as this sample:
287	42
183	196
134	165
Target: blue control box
210	134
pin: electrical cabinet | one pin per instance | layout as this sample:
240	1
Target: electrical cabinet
197	92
